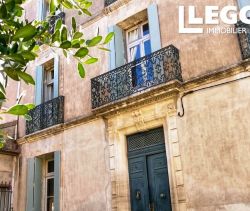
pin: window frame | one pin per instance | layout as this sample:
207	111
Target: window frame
48	176
142	39
48	81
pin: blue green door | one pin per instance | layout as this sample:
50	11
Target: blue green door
148	174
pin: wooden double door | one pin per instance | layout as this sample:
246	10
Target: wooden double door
148	172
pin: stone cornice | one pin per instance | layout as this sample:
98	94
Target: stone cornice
149	96
115	6
217	75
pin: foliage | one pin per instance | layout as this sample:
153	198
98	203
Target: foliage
20	40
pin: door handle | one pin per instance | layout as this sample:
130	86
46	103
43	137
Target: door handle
138	195
162	195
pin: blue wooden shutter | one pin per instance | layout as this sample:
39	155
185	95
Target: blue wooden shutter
38	184
39	85
30	185
117	54
40	9
57	161
56	76
154	27
243	3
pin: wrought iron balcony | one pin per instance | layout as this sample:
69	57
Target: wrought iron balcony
244	39
53	19
109	2
46	115
157	68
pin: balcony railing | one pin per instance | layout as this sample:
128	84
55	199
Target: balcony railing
109	2
53	19
244	39
157	68
46	115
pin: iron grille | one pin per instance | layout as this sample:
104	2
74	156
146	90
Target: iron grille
146	139
109	2
46	115
159	67
244	39
53	19
5	199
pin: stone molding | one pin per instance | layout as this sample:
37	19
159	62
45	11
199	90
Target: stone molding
163	113
147	97
115	6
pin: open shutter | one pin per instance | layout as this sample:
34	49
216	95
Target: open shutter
38	184
56	76
154	27
243	3
40	9
30	185
117	54
57	161
39	85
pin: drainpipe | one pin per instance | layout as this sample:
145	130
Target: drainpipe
17	100
13	179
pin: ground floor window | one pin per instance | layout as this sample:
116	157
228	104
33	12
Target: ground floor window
49	181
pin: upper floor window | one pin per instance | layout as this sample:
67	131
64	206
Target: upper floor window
48	81
43	9
139	45
138	42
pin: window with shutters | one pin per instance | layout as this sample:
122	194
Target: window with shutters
48	81
49	183
43	182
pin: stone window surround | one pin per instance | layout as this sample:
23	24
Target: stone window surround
143	120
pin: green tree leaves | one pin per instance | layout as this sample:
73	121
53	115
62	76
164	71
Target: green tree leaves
27	32
3	11
93	42
81	70
18	110
108	38
82	52
26	77
91	60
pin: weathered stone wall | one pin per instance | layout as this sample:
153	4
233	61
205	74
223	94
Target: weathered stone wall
6	169
214	143
84	167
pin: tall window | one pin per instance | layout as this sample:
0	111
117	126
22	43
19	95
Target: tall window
139	45
48	82
49	185
138	42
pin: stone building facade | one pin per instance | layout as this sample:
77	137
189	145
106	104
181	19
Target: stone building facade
159	123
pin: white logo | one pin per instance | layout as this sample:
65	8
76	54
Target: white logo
228	15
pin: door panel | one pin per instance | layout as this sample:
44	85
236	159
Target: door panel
148	174
138	184
158	182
